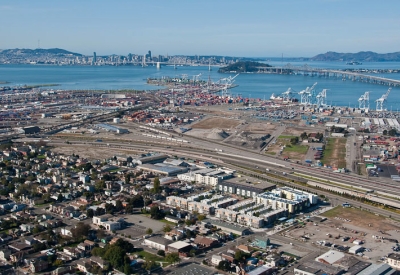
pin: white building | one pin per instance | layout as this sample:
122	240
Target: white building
104	221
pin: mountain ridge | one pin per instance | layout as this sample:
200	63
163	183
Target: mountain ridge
364	56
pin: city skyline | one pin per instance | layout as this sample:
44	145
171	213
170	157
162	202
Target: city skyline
235	28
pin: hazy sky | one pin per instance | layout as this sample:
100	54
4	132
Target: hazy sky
266	28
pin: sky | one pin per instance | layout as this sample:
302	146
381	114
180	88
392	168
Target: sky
250	28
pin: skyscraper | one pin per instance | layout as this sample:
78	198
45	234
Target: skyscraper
94	58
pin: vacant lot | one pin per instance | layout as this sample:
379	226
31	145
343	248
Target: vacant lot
359	218
216	122
335	153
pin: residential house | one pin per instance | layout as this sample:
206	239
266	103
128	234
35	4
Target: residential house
38	266
5	254
83	265
204	242
216	259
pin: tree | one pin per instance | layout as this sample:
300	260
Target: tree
156	186
116	256
303	136
58	262
294	140
156	213
35	230
149	265
98	251
224	265
99	211
81	230
161	253
127	269
137	201
118	205
241	256
149	231
201	217
167	228
60	197
392	132
385	132
90	213
172	258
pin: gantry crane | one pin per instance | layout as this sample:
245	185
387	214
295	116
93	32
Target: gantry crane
308	96
321	98
380	102
363	101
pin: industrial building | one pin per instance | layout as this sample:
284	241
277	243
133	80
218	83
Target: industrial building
152	159
163	169
243	187
30	130
111	128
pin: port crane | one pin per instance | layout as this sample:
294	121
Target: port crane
196	78
287	96
227	82
308	95
380	102
363	101
321	98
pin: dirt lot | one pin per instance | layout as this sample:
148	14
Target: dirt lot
92	152
260	127
216	122
352	223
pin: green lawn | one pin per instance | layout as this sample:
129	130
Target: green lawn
149	256
41	156
168	222
302	149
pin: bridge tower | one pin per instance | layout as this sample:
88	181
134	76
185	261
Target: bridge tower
363	101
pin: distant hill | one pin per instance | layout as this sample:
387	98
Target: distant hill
360	56
29	52
243	67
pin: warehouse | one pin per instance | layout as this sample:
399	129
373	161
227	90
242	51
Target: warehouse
30	130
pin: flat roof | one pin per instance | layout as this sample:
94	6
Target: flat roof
179	245
259	187
193	269
226	225
159	240
259	270
377	269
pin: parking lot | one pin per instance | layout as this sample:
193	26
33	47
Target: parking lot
138	224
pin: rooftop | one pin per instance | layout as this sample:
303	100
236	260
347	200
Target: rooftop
178	245
192	269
